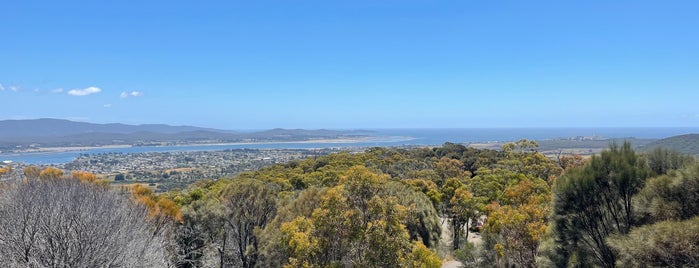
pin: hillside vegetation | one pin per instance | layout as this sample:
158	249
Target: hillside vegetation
25	134
380	208
687	144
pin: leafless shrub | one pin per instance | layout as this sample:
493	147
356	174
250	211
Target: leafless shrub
66	223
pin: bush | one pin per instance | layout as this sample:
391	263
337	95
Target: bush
65	223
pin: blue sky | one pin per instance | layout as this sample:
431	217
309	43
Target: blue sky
353	64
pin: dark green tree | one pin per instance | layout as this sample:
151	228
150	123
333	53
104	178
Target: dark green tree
225	215
595	201
661	160
248	204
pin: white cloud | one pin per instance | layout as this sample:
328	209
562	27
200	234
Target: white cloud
12	88
84	91
108	105
125	94
58	90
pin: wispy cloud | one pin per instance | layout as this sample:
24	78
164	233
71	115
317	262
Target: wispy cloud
125	94
58	90
108	105
84	91
11	88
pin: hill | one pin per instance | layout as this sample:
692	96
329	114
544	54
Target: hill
25	134
688	144
48	127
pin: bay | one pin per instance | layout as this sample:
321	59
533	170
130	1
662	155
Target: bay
383	138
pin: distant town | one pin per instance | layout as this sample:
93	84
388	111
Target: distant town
168	170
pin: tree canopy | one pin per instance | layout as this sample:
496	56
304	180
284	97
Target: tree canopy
381	208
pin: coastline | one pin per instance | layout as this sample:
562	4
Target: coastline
62	149
39	150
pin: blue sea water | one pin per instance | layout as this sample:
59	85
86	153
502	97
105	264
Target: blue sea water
476	135
386	137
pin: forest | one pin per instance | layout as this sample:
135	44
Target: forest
385	207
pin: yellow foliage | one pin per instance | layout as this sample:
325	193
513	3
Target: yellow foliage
297	235
421	185
361	176
85	177
519	229
450	168
31	172
148	203
50	173
140	190
499	249
422	257
535	191
6	170
169	208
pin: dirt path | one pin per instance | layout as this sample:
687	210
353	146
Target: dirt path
451	264
446	244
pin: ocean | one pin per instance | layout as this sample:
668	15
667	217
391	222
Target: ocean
385	137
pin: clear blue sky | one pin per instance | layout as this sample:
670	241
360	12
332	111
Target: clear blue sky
352	64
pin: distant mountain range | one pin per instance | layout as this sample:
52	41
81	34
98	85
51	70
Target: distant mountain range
47	127
22	134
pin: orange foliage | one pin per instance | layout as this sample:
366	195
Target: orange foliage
85	177
140	190
157	206
169	208
6	170
51	173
